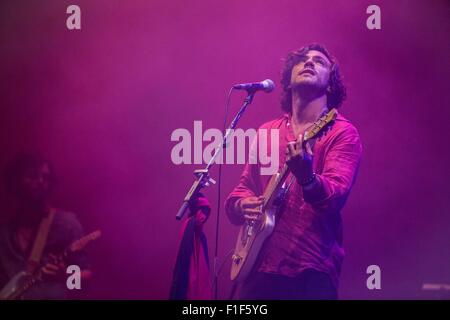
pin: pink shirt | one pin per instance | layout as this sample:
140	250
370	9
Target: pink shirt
308	233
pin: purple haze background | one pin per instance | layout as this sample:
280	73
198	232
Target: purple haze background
102	102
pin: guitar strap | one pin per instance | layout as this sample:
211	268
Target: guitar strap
40	241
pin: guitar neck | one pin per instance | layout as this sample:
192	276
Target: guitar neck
274	184
278	179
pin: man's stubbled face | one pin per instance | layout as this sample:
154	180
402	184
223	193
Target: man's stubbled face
313	70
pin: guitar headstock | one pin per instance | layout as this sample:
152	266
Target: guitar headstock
79	244
322	123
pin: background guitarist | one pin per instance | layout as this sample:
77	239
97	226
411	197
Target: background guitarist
302	258
29	179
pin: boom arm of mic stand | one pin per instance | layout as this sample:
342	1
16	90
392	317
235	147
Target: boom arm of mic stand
203	178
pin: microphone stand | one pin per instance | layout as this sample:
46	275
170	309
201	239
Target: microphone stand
204	180
202	175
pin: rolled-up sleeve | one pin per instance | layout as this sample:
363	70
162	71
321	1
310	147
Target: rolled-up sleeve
249	185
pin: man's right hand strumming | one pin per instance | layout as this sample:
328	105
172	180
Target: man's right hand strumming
250	208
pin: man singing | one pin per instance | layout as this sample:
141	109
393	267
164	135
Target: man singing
302	258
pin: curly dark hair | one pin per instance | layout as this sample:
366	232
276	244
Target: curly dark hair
337	93
22	164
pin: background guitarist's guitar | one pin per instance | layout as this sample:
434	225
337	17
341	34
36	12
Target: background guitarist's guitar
24	280
253	234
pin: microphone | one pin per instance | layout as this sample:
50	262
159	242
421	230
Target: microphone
266	85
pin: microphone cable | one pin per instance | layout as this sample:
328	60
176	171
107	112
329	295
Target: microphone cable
219	180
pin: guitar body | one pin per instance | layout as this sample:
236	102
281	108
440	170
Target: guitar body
249	243
253	235
13	289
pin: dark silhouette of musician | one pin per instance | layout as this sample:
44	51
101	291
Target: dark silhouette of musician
29	180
